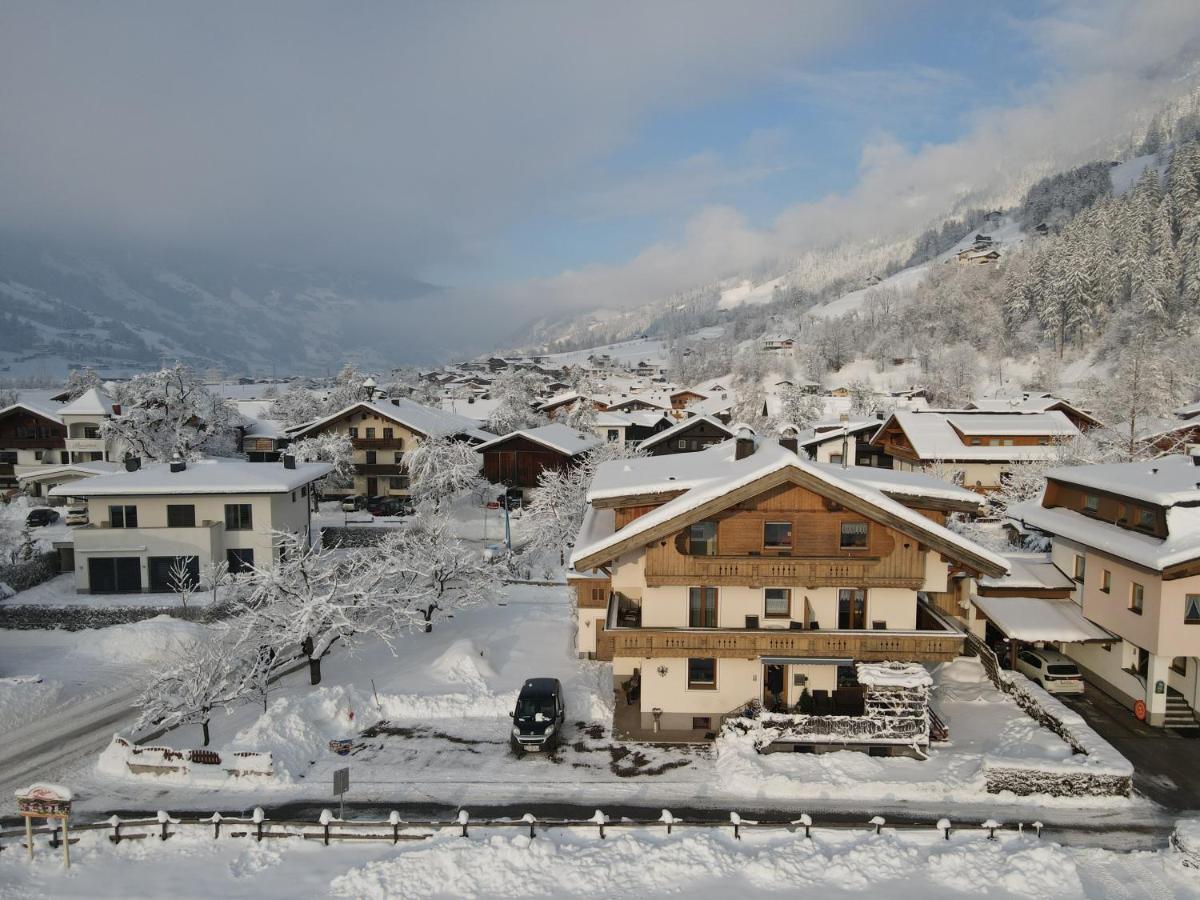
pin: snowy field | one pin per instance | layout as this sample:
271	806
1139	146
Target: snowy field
632	862
431	725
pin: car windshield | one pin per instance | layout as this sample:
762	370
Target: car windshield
1062	670
528	707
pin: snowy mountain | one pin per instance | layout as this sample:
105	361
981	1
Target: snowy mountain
126	309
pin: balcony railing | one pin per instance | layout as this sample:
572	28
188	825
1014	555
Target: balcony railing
362	443
391	470
916	646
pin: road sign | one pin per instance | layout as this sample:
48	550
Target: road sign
341	781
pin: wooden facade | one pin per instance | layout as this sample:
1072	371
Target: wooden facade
518	461
24	429
1107	507
695	436
752	644
591	593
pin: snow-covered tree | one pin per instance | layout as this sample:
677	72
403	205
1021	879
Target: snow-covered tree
8	396
442	468
80	381
181	581
864	400
200	681
333	447
213	575
171	412
798	407
427	570
515	392
298	405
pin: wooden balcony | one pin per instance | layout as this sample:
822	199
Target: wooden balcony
675	569
390	470
362	443
879	646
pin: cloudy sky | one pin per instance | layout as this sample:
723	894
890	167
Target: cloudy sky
541	157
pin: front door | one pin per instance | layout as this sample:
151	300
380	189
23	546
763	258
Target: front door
852	608
774	687
372	487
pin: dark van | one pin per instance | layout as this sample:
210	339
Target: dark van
538	717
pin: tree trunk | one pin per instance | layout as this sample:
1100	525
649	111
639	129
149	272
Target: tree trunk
314	663
204	725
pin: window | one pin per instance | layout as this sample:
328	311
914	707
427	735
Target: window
701	723
371	457
370	434
835	459
598	595
975	442
702	674
854	535
237	517
1106	581
1137	596
702	539
1080	568
389	433
122	516
879	625
239	560
1191	609
613	434
181	516
398	457
1146	519
681	443
1091	502
1179	664
702	607
777	603
777	534
397	483
353	432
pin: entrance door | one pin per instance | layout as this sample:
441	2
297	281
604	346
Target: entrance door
115	575
774	687
372	486
852	608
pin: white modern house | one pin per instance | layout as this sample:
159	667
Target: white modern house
144	519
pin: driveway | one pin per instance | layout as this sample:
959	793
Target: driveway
1164	760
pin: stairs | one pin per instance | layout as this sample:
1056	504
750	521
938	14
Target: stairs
1179	715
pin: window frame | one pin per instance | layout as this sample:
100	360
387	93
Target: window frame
1080	570
125	515
704	614
1137	591
865	533
767	614
767	545
701	685
239	553
1105	581
243	524
709	542
1187	602
176	508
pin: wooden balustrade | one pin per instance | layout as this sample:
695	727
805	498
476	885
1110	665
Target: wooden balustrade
936	646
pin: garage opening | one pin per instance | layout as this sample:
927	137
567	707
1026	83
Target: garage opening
115	575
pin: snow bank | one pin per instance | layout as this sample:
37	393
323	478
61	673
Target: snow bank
297	729
149	641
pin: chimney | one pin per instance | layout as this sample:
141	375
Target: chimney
743	444
395	401
133	463
289	460
789	441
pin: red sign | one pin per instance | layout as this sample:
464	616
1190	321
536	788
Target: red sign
1139	710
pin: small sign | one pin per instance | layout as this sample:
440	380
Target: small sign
341	781
342	746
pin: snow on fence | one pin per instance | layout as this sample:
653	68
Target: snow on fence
26	617
327	828
27	573
1096	768
167	760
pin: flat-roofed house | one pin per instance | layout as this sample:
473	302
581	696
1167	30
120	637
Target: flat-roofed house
744	573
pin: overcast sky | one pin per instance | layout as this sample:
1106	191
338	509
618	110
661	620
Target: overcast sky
540	157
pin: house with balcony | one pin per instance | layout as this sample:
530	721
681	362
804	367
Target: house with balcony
31	439
974	448
745	572
84	417
688	436
1128	534
382	432
143	520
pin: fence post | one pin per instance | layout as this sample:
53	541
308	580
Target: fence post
258	817
991	825
737	822
325	818
667	819
115	822
943	826
805	820
394	821
878	822
164	820
599	818
215	818
531	821
1037	827
463	818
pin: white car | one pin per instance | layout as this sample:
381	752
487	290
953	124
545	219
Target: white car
1050	669
77	515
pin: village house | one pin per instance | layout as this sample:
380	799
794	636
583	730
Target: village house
628	429
84	417
30	439
688	436
1129	536
142	520
846	442
974	448
381	432
520	457
745	573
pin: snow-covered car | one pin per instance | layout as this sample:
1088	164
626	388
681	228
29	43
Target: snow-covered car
353	504
42	515
538	717
1050	669
77	515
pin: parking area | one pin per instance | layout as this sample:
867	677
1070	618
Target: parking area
1164	760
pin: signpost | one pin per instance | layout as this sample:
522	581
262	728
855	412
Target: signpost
341	784
46	801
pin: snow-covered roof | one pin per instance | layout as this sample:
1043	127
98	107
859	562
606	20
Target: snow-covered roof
424	420
31	408
668	433
478	409
896	483
92	402
83	469
560	399
1052	424
1181	545
554	436
933	437
1029	571
202	476
718	473
1165	481
894	675
1040	619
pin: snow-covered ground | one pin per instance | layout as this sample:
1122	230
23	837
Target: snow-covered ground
636	862
650	350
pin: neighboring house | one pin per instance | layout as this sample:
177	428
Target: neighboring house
745	573
38	481
1030	402
977	256
567	402
520	457
84	417
849	442
263	439
30	439
628	429
973	448
477	409
685	398
203	511
382	432
1129	535
778	342
688	436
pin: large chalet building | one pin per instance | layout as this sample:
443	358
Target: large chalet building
975	448
1128	534
382	431
745	572
31	439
